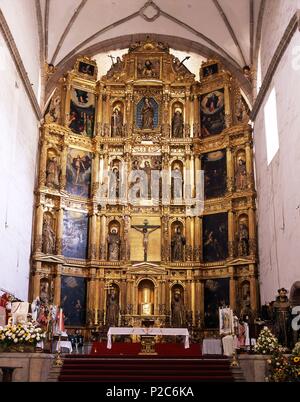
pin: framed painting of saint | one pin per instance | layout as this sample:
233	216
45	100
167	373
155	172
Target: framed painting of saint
215	174
215	237
147	114
75	235
73	300
216	295
212	113
82	112
85	68
148	68
79	172
210	70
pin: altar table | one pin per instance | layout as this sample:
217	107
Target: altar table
148	332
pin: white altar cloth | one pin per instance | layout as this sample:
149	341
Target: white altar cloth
148	331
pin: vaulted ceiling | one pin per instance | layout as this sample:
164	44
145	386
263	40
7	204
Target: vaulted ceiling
226	27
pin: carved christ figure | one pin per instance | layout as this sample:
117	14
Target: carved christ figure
145	229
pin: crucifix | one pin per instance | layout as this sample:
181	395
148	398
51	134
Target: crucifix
145	229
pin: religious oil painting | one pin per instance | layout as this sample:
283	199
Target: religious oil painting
82	112
147	114
212	113
210	70
216	294
215	237
86	68
73	300
215	175
75	235
148	68
79	172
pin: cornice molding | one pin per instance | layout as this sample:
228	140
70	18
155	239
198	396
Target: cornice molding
19	65
290	31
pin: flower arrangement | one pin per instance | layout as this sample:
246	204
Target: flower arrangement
25	333
266	343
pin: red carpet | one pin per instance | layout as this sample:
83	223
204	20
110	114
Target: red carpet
133	349
121	369
123	364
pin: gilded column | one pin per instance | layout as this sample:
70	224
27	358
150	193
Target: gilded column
249	165
99	111
197	238
63	166
232	290
101	295
36	281
201	288
165	252
187	113
57	286
123	296
252	231
68	104
193	301
230	233
92	237
188	232
90	298
95	173
43	163
253	290
39	228
228	117
196	125
126	254
60	229
103	238
197	301
96	300
230	170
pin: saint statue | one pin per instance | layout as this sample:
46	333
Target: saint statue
147	115
112	309
282	318
177	125
177	183
178	316
177	244
49	237
114	244
241	175
52	173
116	123
243	242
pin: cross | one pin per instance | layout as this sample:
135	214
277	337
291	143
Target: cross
144	229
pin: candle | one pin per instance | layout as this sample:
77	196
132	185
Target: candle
60	325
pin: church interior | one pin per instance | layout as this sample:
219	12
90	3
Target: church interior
149	208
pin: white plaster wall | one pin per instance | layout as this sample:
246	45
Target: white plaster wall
18	155
278	184
21	18
277	16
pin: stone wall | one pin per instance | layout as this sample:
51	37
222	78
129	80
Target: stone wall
30	367
278	183
18	156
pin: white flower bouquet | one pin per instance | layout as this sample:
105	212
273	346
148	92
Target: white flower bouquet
266	343
25	333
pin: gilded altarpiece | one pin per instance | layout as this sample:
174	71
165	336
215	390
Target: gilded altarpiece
115	214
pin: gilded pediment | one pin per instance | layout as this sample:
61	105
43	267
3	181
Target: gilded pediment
146	268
